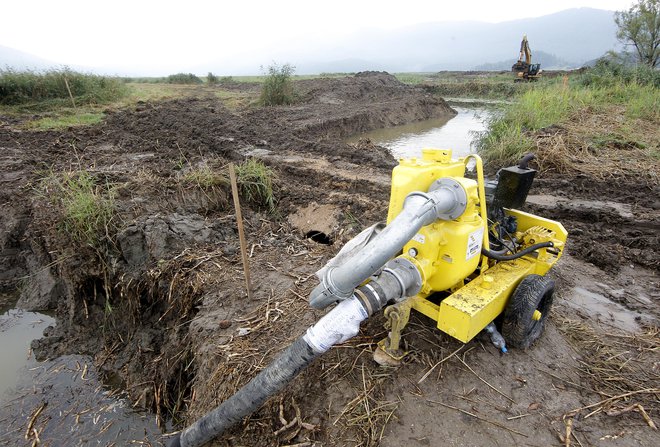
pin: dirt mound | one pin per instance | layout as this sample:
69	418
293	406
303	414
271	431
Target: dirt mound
365	86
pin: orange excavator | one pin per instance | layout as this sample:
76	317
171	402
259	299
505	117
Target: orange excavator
524	69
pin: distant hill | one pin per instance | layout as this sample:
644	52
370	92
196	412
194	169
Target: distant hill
547	61
11	58
567	38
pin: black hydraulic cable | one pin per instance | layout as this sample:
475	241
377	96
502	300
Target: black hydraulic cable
511	248
520	254
502	243
508	235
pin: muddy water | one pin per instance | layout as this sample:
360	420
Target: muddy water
603	310
457	133
72	408
17	329
71	404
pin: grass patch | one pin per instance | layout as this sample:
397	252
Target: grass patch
51	88
235	99
479	89
255	181
644	103
467	84
87	208
415	78
205	177
65	121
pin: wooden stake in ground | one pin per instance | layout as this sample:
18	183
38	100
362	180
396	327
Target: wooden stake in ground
241	232
70	94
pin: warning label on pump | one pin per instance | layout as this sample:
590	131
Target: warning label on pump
474	243
419	238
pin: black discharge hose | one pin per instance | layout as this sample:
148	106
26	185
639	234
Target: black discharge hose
337	326
269	381
500	257
397	280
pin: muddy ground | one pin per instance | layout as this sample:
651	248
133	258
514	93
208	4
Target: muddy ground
159	304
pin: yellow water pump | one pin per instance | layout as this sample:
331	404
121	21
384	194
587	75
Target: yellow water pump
472	264
455	248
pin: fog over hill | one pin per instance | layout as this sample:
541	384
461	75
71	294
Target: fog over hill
10	57
561	40
573	36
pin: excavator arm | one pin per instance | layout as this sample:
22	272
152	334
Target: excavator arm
525	51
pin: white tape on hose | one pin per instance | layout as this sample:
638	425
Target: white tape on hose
337	326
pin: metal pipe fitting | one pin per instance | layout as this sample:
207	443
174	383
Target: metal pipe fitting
446	200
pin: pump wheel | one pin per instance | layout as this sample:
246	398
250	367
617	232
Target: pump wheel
527	311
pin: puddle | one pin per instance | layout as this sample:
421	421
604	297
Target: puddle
595	306
74	407
622	209
456	133
17	329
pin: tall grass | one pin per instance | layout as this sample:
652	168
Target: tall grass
509	136
21	87
87	208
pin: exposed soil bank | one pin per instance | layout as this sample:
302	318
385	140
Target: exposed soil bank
159	303
147	299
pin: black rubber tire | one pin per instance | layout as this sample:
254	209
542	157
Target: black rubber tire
535	292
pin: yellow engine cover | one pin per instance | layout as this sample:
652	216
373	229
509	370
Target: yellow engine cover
446	252
417	174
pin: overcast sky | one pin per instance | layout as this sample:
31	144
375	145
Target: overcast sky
120	33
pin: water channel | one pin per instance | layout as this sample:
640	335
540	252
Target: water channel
454	132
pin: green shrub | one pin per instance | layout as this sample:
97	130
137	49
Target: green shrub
183	78
608	73
277	88
20	87
212	79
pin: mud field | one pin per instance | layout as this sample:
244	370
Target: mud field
158	306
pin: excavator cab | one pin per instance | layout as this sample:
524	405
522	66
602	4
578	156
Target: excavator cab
534	69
